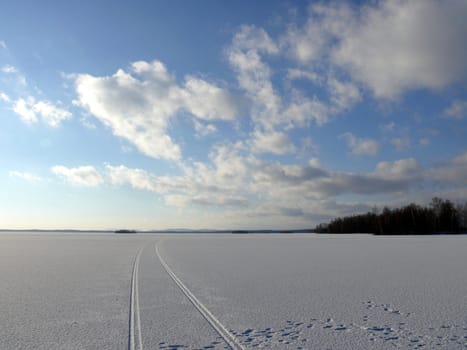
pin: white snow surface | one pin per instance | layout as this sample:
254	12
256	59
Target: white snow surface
74	291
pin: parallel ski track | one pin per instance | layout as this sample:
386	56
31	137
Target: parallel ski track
213	321
135	341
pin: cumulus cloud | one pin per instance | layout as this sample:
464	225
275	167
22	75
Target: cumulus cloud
360	146
28	110
232	180
389	46
221	182
203	129
398	170
400	45
295	73
272	142
308	183
207	101
50	114
4	97
24	109
13	76
253	74
310	43
86	176
273	106
301	110
138	105
278	174
29	177
136	178
457	110
453	172
247	187
343	94
309	192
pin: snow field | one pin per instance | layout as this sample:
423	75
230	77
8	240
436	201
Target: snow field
232	291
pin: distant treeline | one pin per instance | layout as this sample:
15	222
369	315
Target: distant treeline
440	216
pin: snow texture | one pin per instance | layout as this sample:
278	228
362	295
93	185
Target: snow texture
83	291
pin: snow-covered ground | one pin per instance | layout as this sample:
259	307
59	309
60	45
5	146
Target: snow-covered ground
75	291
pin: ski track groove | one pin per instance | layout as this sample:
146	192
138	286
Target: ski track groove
135	341
229	338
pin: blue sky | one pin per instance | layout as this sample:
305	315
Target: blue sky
210	114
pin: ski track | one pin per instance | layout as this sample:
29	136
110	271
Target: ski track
228	337
135	341
383	324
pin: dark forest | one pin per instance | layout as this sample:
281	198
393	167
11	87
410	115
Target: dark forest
440	216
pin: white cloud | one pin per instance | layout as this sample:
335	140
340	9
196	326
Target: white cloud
142	180
204	129
50	114
272	142
311	43
254	188
254	39
8	69
302	185
391	46
3	45
13	75
314	162
86	176
207	101
254	75
139	104
302	110
343	94
457	110
24	109
360	146
218	183
294	107
399	45
136	178
29	177
306	191
4	97
294	73
137	110
398	170
226	173
453	172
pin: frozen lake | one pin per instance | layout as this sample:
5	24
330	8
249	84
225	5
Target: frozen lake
82	291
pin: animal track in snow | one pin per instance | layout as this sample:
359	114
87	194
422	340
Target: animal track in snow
381	324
